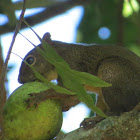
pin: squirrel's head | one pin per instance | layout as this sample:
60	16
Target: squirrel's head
42	66
35	59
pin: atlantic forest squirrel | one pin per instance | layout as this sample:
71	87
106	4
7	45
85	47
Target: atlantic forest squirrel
113	64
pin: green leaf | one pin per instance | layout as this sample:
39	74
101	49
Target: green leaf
83	96
52	56
89	79
50	84
72	79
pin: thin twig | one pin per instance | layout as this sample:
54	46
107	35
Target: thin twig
49	12
14	37
2	78
27	39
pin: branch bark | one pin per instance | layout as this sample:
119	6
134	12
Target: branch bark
49	12
4	68
124	127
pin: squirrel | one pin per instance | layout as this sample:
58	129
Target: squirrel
113	64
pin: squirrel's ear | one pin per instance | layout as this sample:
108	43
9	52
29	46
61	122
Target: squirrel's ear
47	38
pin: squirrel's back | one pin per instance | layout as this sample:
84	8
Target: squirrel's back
92	54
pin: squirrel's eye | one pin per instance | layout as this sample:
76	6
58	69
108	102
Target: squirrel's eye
30	60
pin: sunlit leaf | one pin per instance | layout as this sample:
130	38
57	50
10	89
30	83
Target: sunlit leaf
73	80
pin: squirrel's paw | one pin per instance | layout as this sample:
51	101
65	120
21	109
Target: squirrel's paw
34	100
88	123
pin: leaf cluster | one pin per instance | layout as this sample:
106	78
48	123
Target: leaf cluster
73	80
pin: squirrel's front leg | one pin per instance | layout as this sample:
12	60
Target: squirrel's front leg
67	100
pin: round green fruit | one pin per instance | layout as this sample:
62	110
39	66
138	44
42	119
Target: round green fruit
34	123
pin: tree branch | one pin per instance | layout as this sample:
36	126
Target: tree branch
48	13
2	76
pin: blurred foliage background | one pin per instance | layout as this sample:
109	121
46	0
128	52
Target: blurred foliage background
103	22
121	18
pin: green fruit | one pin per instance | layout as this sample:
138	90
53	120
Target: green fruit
35	123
